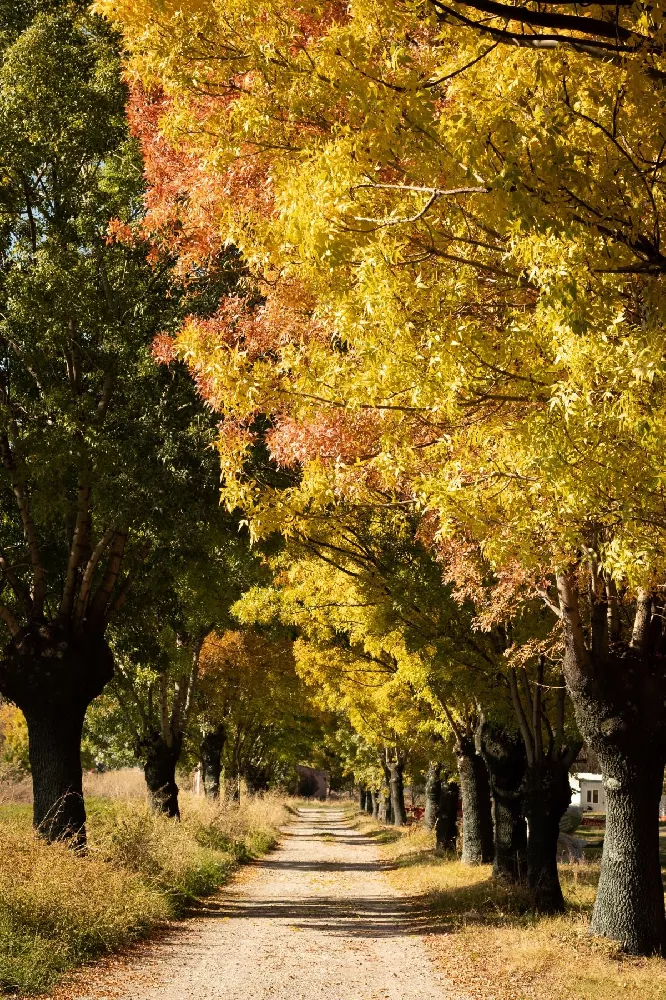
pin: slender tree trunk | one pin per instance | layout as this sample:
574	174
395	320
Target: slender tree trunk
385	810
477	817
362	793
376	799
399	813
446	824
547	794
159	768
210	755
505	758
630	896
53	676
369	805
433	793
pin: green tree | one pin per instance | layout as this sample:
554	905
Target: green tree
96	443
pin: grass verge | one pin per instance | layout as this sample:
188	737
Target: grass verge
59	910
493	948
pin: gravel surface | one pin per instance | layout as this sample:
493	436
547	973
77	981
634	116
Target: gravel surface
314	920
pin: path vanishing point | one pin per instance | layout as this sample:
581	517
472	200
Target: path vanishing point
317	919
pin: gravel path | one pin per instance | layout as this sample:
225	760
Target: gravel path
314	920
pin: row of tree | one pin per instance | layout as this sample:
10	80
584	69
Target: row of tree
116	560
451	219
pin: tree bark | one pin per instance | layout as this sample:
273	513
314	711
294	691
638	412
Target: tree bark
446	824
54	740
477	817
53	675
619	691
505	758
210	755
369	805
159	769
385	810
362	792
376	796
433	793
547	794
398	811
630	896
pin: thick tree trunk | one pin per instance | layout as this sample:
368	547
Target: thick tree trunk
369	805
630	897
210	755
399	813
619	693
446	823
53	676
505	758
477	817
433	793
55	762
547	794
362	793
159	768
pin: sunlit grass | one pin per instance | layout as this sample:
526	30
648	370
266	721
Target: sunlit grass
59	909
494	947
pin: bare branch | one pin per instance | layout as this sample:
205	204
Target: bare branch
641	629
126	585
521	716
89	573
10	620
29	529
101	599
79	548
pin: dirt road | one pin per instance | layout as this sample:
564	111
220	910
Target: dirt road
315	920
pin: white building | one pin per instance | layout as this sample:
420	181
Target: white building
592	793
588	793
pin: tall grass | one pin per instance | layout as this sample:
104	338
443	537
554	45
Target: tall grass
59	909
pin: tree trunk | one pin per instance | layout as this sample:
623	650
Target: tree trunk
362	792
547	795
477	818
399	813
433	794
619	693
376	798
160	772
630	896
446	823
505	758
53	676
385	811
369	805
54	739
210	755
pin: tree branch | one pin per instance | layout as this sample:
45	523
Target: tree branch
101	599
29	529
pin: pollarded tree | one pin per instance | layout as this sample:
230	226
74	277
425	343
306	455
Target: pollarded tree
96	443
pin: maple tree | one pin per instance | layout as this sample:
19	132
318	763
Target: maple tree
457	249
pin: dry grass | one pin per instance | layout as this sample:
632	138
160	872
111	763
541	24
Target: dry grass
59	909
494	948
